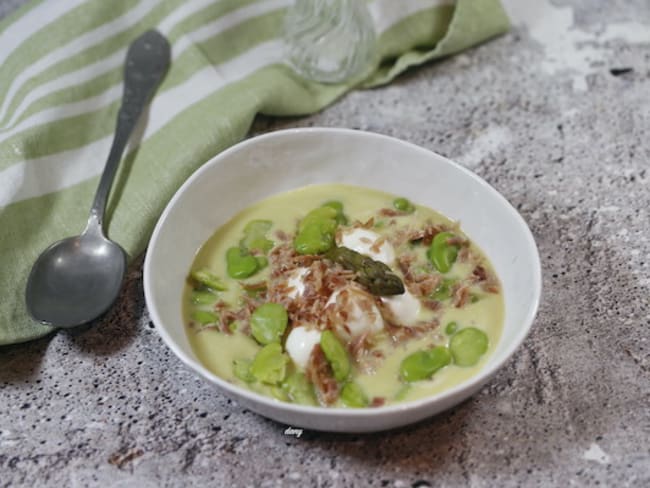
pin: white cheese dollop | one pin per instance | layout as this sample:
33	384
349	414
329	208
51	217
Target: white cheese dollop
299	344
296	283
405	307
362	313
363	241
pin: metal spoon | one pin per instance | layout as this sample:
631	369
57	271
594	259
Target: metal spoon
77	279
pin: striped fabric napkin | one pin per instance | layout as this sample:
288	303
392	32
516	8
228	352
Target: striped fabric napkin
60	88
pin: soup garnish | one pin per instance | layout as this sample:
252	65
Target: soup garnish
336	295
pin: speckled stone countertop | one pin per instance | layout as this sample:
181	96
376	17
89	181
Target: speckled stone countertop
556	116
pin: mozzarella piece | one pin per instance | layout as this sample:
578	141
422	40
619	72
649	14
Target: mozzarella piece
358	321
296	283
299	344
363	240
405	307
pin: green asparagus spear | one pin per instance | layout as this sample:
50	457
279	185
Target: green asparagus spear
374	275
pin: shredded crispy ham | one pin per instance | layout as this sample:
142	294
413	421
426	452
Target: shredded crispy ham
425	234
320	281
255	288
404	262
321	278
391	212
242	315
227	316
419	282
400	334
461	295
424	287
357	224
281	235
486	279
319	373
464	255
457	241
336	314
368	224
491	285
377	401
360	346
376	247
480	273
364	354
431	304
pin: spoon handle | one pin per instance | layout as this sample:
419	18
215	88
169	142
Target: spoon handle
146	63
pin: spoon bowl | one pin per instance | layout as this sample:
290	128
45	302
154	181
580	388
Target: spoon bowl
75	280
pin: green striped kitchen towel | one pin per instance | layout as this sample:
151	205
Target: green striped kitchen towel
60	87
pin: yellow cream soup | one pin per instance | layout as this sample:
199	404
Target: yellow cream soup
217	350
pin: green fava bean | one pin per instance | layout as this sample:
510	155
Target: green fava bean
468	345
442	254
203	298
341	219
316	231
298	389
205	277
204	317
451	328
443	292
402	392
268	323
440	357
240	264
335	204
278	393
421	365
241	368
353	396
234	326
255	235
336	355
403	205
415	367
270	364
262	262
261	243
326	216
312	240
258	227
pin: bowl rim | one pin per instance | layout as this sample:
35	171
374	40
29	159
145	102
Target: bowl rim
337	412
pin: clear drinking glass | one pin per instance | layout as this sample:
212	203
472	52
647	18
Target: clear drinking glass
330	41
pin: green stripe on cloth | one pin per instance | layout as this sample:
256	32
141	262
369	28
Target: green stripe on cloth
69	94
209	14
71	132
419	31
105	49
18	14
70	26
471	21
92	54
219	115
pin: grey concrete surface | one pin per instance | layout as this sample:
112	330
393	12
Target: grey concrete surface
541	117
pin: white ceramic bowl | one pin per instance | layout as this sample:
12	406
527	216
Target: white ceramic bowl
279	161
